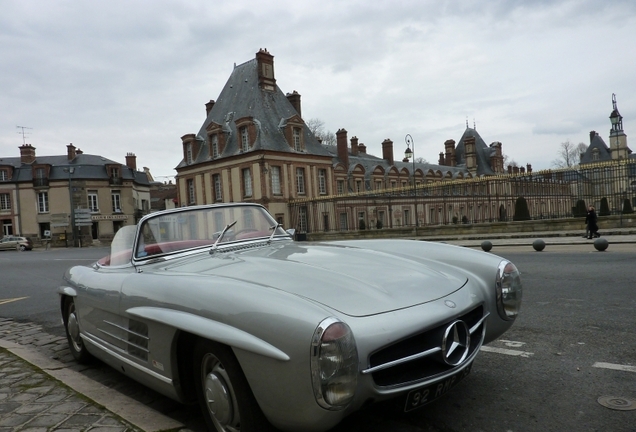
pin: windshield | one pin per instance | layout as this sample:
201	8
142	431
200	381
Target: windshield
202	226
120	247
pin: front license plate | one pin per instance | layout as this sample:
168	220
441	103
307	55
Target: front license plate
419	397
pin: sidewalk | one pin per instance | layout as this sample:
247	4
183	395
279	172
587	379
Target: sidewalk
43	389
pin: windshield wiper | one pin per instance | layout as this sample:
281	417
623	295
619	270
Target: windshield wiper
218	240
273	228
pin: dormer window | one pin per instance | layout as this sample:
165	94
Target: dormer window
4	175
596	154
244	144
246	130
293	130
215	145
296	137
189	153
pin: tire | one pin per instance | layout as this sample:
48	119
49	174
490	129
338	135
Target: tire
71	325
225	397
22	248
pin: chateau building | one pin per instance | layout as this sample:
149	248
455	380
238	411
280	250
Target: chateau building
70	198
255	146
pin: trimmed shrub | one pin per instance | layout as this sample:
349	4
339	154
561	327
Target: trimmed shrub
604	210
521	210
580	210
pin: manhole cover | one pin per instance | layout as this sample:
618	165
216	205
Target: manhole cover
617	403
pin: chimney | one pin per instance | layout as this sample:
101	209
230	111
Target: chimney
592	135
362	149
515	170
265	65
294	99
343	150
208	107
522	170
27	154
387	151
529	168
78	152
441	159
354	146
509	169
131	161
449	147
70	151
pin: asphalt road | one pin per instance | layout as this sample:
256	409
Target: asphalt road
574	342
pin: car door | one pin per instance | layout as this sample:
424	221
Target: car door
5	243
97	303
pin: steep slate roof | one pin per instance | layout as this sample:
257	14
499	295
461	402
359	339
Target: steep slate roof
370	162
483	152
604	151
87	167
242	97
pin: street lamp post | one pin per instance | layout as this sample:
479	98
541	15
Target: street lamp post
617	126
409	153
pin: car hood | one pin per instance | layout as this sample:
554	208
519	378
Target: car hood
351	280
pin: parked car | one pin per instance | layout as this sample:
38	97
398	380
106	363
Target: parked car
218	303
15	243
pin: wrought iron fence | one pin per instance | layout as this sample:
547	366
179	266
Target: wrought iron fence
549	194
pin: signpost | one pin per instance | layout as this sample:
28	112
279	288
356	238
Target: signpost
82	218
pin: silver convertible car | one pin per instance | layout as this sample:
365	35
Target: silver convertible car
218	304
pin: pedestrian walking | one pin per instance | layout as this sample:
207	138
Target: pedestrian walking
591	223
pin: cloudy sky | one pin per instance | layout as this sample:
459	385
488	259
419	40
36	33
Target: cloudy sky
115	76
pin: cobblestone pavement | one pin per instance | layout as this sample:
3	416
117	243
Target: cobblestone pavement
42	388
31	400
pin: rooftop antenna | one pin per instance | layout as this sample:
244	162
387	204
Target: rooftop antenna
24	133
474	124
466	122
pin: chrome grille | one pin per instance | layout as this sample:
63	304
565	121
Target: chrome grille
419	357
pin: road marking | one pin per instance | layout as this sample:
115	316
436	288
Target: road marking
612	366
506	351
511	344
5	301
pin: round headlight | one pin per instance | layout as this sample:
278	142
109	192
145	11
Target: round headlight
334	364
509	290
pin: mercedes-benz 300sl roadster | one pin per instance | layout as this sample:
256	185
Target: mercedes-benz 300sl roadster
219	304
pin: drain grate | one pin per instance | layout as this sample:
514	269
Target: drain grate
617	403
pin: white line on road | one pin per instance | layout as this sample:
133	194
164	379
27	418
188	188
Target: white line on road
506	351
612	366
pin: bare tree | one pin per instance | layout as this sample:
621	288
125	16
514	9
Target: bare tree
508	162
421	160
317	127
569	154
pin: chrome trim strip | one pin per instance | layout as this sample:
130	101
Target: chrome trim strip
430	380
123	341
89	339
402	360
474	328
126	330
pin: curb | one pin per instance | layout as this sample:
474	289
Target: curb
132	411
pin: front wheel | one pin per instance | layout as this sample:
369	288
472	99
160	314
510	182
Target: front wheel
71	325
224	395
